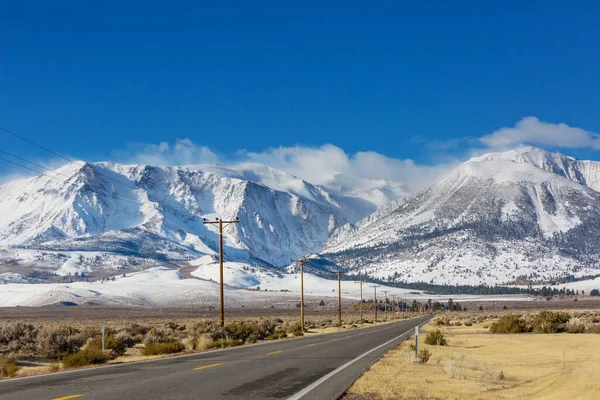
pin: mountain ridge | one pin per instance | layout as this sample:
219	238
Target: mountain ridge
499	217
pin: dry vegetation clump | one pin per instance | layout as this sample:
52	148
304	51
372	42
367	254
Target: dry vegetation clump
511	323
56	342
155	349
294	329
115	345
9	365
550	322
424	356
84	357
19	338
594	328
436	338
442	320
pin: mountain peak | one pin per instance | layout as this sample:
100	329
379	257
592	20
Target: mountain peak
527	154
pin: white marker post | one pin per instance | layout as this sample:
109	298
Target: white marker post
417	341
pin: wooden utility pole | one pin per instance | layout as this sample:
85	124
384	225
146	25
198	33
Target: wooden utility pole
393	307
340	298
402	305
361	301
301	262
375	291
385	303
220	223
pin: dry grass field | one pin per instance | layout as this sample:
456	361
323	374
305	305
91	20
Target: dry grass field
480	365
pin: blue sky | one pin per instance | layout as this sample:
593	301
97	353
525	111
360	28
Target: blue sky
406	80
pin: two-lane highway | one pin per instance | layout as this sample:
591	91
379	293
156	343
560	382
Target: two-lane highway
311	367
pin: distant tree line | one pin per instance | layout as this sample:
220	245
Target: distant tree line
431	288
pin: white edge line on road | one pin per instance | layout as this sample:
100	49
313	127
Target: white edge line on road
312	386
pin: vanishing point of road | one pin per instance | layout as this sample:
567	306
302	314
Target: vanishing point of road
311	367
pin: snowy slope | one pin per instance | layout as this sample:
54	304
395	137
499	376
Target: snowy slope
157	212
495	218
161	287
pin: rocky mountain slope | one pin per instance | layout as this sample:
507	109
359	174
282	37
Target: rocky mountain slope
87	216
523	213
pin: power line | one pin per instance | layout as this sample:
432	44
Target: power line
63	157
35	144
32	163
23	166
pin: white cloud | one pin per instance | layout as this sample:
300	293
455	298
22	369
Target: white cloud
183	152
331	165
531	130
365	174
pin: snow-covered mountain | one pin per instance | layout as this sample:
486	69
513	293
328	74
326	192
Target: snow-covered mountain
496	218
84	213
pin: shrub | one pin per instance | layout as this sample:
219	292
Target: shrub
19	338
55	343
579	328
111	342
510	323
204	342
277	335
83	358
136	329
8	366
550	321
158	335
442	321
125	338
163	348
294	329
436	338
594	328
244	331
424	356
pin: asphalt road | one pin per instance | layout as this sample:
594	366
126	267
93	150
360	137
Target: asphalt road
317	367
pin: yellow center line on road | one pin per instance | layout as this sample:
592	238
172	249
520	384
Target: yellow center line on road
310	345
207	366
274	352
74	396
333	340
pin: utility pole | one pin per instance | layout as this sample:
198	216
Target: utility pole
375	291
220	223
301	262
393	307
402	305
339	273
385	303
361	301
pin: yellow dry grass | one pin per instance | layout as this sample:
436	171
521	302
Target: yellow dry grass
533	366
